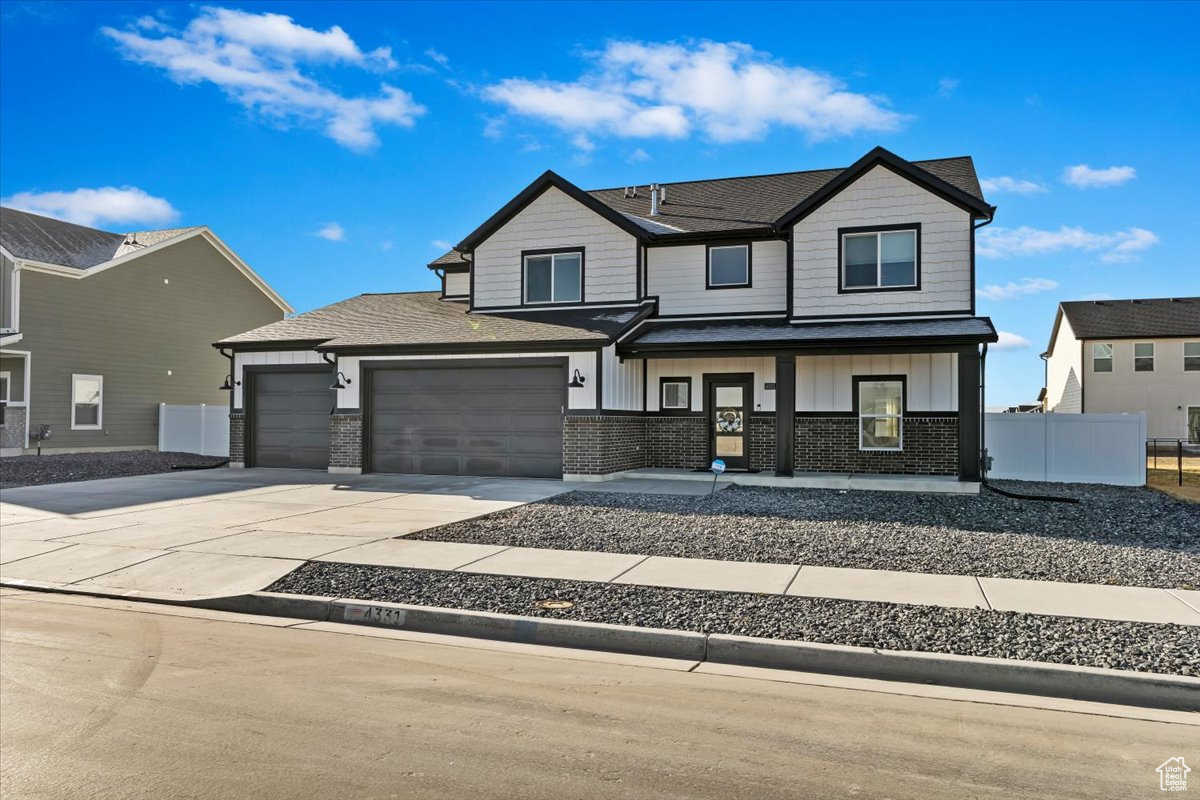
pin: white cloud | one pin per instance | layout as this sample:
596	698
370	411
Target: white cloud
1004	183
1025	241
256	60
332	231
439	58
726	91
440	244
1010	341
385	244
638	156
1011	290
108	205
946	86
582	143
1081	176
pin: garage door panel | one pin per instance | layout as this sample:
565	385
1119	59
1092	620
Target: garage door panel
468	421
291	420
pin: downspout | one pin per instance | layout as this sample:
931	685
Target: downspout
333	361
230	356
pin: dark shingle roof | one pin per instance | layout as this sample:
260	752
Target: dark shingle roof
53	241
65	244
1169	316
420	319
741	332
450	261
754	201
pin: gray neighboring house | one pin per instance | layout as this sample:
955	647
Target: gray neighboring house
1112	356
98	328
818	321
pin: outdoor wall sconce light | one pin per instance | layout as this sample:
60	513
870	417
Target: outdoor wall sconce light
576	381
340	381
229	383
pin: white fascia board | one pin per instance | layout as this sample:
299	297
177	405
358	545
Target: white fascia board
204	232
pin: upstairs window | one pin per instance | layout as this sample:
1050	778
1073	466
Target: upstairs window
1102	357
554	277
880	413
1143	357
880	259
87	402
1191	356
676	394
729	266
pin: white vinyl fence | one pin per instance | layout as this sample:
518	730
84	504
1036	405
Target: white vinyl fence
198	429
1068	448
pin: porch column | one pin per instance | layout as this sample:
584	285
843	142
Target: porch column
785	414
968	414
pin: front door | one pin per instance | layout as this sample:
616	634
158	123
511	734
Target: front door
728	409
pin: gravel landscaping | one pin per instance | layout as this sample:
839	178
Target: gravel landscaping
1063	640
1116	535
67	467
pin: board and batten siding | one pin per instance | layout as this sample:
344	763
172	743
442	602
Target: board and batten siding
696	368
132	324
622	384
826	383
272	358
554	220
881	197
457	284
677	276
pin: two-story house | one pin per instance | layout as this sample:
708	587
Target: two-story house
818	321
1111	356
99	328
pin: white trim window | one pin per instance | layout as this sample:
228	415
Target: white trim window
87	402
675	395
1102	357
1143	356
1191	356
554	277
729	266
880	260
881	414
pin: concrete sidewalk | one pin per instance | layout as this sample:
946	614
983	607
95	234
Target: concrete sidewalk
1126	603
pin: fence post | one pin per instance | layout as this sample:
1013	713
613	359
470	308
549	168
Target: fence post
162	419
203	441
1179	459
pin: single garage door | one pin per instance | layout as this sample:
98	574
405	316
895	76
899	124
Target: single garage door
291	419
468	421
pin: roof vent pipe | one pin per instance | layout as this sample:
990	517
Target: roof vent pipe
654	199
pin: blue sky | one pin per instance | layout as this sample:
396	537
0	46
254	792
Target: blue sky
339	147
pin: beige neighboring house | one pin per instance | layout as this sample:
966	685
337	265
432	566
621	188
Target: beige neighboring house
98	328
1109	356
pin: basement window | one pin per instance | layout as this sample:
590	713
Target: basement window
880	413
1143	357
1102	357
87	402
554	277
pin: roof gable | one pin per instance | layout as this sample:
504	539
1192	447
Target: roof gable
971	203
53	241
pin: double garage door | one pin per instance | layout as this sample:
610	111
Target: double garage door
437	420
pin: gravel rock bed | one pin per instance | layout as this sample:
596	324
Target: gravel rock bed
67	467
1117	535
1062	640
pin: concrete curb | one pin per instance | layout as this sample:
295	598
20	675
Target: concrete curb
1142	689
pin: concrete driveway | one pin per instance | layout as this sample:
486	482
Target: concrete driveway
211	533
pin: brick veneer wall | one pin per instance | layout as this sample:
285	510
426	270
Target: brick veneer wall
600	445
761	440
830	444
345	441
237	437
676	442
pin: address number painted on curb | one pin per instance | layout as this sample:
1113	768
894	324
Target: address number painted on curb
376	615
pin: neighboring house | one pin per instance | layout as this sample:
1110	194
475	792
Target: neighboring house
1128	356
99	328
818	321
